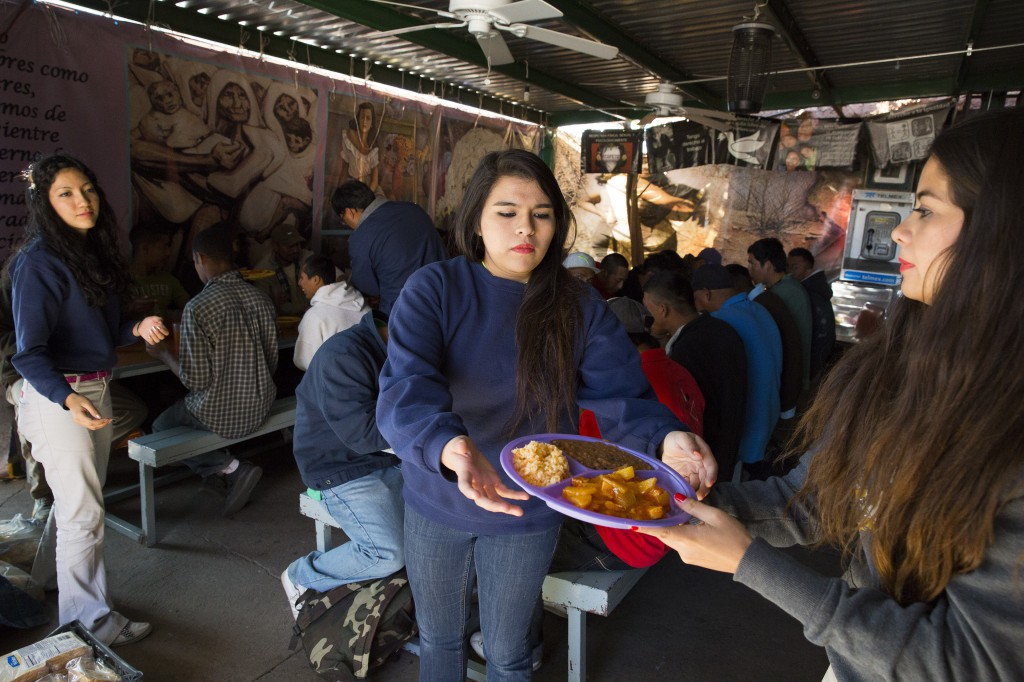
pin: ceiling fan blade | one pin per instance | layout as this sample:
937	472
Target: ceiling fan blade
410	29
709	113
525	10
714	123
594	49
438	12
648	119
495	49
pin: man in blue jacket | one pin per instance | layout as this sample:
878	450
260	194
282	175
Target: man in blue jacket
390	241
346	462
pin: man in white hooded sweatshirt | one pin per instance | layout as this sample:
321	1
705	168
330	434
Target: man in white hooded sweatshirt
334	307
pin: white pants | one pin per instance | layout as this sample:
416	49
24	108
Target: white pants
75	460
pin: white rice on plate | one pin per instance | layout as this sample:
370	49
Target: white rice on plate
540	464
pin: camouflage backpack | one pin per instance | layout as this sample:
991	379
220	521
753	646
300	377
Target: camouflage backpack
351	630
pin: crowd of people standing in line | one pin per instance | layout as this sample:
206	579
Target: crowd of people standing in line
904	427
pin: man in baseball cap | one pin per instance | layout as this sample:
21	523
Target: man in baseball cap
580	265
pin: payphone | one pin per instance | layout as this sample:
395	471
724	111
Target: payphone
870	253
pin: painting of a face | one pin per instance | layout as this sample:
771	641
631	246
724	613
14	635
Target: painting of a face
233	103
197	86
286	108
364	119
164	97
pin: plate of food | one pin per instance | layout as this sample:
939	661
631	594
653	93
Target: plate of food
251	275
596	481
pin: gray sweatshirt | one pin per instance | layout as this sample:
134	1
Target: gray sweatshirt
973	632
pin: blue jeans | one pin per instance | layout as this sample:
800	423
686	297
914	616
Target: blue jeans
509	572
370	511
206	464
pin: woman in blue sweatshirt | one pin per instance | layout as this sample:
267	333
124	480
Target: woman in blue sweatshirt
498	343
68	280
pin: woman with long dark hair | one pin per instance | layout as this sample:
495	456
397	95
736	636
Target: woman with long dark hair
914	461
499	343
68	279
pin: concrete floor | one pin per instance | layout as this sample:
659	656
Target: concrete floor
211	590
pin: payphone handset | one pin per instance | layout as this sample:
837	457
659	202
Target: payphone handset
877	242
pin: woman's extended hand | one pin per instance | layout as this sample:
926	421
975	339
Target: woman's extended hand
477	478
688	454
85	413
718	542
152	329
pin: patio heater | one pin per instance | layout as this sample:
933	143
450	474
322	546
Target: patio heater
749	62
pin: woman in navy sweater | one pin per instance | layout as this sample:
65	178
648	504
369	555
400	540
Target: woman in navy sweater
68	280
499	343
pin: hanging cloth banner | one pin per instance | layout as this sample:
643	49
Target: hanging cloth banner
611	151
906	136
749	143
680	144
810	143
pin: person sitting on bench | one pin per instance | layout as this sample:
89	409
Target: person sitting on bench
227	358
340	453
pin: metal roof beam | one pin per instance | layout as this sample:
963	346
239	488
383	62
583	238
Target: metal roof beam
800	46
381	18
977	18
583	17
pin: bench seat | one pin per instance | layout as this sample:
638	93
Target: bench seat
175	445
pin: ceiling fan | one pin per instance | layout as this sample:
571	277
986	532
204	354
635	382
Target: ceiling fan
667	100
482	17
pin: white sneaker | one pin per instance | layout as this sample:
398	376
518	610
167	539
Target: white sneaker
292	592
131	633
476	642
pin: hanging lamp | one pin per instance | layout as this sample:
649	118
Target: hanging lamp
749	63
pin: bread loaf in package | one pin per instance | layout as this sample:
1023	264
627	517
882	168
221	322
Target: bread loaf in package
34	661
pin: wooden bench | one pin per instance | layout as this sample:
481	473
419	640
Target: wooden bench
175	445
578	592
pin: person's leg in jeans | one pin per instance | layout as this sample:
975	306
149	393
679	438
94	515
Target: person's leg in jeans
510	571
75	459
439	561
370	511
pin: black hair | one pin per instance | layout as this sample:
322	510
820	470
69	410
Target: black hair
740	277
801	252
352	194
672	288
663	260
320	266
546	378
95	261
297	126
769	249
215	243
613	262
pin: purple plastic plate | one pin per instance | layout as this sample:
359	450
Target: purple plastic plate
668	479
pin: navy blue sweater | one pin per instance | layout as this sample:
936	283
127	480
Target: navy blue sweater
56	330
451	372
336	437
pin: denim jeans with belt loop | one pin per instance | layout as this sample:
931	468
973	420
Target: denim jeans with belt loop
75	460
509	570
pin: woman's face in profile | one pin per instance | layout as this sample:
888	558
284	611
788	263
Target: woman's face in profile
927	235
233	103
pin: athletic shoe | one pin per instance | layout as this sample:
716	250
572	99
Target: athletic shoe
131	633
292	592
476	641
240	485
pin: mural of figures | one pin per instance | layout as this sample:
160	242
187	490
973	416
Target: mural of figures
211	145
384	142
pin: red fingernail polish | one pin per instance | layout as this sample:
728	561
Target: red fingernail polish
679	498
634	528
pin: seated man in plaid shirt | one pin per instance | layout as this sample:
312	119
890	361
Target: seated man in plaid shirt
227	357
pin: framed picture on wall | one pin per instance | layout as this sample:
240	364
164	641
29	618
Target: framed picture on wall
897	178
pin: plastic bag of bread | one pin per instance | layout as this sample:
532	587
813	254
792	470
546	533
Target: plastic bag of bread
54	677
31	662
88	669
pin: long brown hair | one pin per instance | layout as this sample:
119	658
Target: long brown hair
549	319
918	431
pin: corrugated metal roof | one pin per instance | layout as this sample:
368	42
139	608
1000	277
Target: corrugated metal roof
682	41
